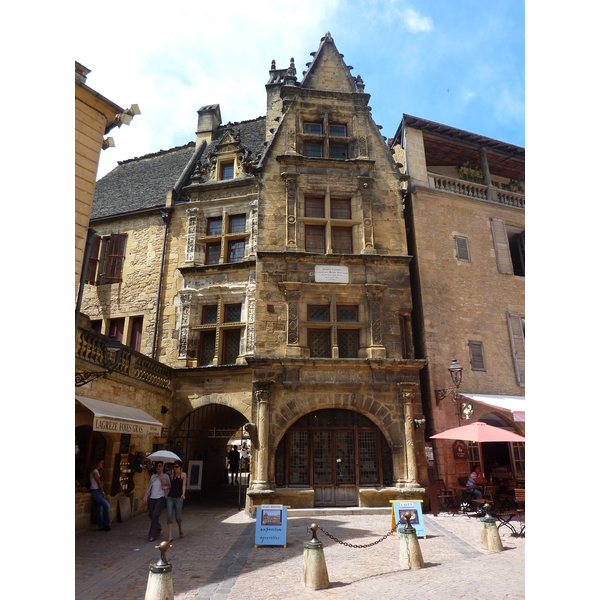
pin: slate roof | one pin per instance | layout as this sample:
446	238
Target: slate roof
252	137
142	183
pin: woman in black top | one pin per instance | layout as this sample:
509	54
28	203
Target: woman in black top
175	498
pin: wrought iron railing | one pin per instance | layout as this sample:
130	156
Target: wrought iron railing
90	348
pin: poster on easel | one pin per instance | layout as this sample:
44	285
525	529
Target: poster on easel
271	525
400	507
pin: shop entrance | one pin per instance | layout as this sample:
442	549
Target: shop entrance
203	437
335	452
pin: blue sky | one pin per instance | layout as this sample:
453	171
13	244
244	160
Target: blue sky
457	63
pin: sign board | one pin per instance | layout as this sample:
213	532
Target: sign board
271	525
403	506
108	425
459	448
194	475
429	454
331	274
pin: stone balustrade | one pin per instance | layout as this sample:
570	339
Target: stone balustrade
90	347
475	190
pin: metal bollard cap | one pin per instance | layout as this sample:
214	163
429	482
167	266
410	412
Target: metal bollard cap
163	547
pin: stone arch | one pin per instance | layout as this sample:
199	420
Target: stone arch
379	413
203	434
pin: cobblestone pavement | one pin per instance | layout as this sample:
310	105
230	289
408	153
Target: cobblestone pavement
216	558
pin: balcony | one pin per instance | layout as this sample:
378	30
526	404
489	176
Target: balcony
90	348
479	191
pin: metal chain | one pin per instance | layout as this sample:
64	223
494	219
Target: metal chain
357	545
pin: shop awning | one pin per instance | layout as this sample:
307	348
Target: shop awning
513	404
115	418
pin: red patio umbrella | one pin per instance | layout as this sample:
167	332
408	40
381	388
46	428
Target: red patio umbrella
479	432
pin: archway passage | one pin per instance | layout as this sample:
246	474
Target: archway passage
334	451
203	436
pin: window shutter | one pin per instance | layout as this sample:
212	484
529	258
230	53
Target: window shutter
92	265
462	248
116	254
517	344
501	246
477	360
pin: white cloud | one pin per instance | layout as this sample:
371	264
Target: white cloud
172	62
467	95
415	22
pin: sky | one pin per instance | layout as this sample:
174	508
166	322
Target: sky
457	63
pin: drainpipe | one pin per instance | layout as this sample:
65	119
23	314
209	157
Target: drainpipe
86	255
165	214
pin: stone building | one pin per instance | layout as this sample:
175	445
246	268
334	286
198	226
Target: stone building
95	116
465	212
265	264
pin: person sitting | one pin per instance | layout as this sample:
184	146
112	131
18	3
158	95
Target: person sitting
476	479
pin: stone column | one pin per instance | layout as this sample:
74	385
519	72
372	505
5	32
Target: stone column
262	463
491	190
409	434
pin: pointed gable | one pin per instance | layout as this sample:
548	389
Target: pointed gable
328	71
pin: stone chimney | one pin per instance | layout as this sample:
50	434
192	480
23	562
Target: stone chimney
274	101
209	119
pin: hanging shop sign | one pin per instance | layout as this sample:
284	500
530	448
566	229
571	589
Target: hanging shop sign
401	507
271	525
460	449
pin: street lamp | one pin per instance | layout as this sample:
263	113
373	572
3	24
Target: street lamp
112	349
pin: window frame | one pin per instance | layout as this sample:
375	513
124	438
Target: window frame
209	222
477	355
226	164
318	332
348	332
314	145
106	259
338	202
234	217
209	246
463	252
348	230
230	250
308	226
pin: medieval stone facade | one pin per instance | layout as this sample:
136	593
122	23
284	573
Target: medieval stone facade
267	264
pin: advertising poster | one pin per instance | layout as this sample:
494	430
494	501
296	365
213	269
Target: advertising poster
414	506
271	525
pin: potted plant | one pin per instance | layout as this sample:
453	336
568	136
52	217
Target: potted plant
471	173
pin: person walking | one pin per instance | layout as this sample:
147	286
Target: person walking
158	487
176	497
234	464
99	497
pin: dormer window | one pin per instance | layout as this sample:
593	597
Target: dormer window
226	171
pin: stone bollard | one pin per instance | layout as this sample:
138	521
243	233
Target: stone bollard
314	569
410	552
490	538
160	579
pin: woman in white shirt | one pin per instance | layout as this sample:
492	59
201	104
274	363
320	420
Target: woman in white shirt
158	488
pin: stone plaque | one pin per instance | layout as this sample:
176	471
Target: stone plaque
331	274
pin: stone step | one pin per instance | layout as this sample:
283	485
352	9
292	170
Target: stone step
339	511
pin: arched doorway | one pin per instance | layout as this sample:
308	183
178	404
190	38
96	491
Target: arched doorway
203	436
334	451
